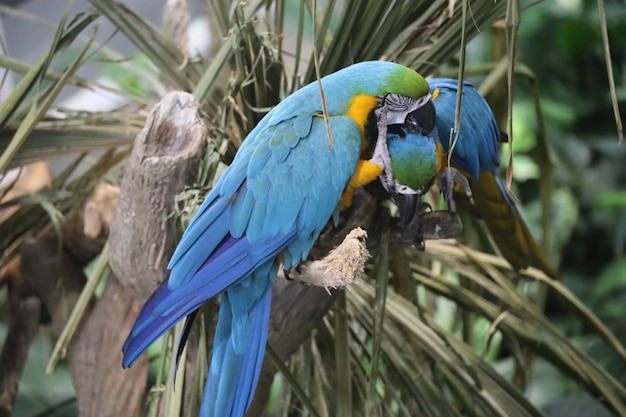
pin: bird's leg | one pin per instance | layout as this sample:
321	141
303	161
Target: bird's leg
448	178
410	232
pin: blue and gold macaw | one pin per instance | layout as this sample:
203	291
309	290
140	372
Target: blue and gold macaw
417	160
477	155
267	210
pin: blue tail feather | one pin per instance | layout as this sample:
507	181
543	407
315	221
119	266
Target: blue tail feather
507	196
239	345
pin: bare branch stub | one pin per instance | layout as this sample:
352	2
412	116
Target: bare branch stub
165	158
342	266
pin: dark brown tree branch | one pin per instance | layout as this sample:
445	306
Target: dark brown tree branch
102	387
49	270
21	333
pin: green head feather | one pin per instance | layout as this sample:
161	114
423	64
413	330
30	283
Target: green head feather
407	82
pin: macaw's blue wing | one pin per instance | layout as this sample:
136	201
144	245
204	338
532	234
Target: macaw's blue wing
478	146
273	200
477	154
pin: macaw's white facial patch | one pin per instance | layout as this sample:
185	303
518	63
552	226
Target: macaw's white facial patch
399	106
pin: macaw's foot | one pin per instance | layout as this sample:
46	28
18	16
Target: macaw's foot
414	224
287	275
426	225
287	272
448	179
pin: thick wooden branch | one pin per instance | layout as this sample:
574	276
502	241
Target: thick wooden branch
343	265
430	225
166	156
103	387
299	305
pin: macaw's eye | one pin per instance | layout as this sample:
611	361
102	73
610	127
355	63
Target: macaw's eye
422	120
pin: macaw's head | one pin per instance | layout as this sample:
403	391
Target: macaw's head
404	92
396	91
386	97
405	110
361	90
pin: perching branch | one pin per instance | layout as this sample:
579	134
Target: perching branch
346	263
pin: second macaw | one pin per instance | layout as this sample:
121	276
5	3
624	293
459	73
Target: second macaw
417	160
266	211
414	164
477	154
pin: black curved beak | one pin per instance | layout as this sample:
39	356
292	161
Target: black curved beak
407	205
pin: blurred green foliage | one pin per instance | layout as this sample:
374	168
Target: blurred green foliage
561	43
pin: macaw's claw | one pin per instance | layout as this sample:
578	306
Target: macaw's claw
414	224
448	179
418	240
287	272
423	207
